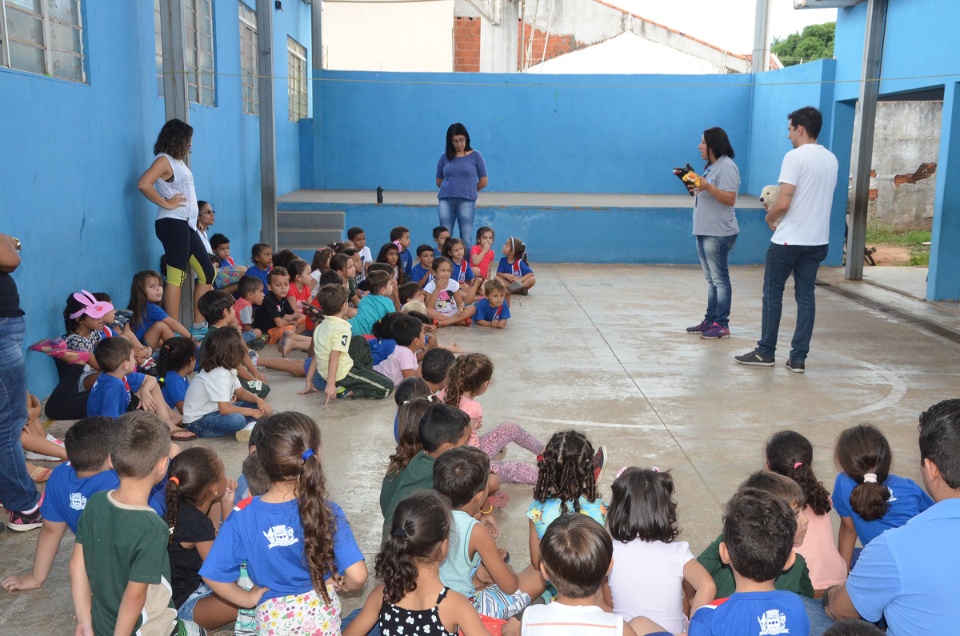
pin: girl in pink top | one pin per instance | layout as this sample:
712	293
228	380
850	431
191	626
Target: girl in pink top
469	378
791	455
481	254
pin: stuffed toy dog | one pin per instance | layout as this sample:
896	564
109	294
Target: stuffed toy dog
688	176
769	196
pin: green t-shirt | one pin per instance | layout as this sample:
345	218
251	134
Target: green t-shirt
120	544
210	330
418	475
796	579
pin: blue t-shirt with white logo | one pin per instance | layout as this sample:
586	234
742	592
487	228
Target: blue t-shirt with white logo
66	495
906	500
752	614
269	537
486	312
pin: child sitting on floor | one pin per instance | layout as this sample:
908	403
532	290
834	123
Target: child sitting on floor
470	378
444	300
461	476
119	572
113	393
250	292
117	323
175	361
796	577
758	539
454	250
481	254
402	363
217	308
150	323
513	269
400	236
576	554
381	300
83	320
301	285
412	599
358	237
407	390
275	315
420	273
491	310
67	492
319	266
390	255
262	256
343	362
344	265
215	403
440	236
434	368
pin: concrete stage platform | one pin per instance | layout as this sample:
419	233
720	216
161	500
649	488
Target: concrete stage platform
603	349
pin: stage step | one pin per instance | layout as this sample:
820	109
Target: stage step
308	229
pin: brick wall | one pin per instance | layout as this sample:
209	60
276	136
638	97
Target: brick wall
466	45
555	45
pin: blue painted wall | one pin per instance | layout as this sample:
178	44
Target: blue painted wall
543	133
74	153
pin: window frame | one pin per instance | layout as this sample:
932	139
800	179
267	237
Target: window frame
249	54
198	92
46	46
297	93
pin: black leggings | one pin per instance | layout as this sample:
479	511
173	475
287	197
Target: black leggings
67	402
183	248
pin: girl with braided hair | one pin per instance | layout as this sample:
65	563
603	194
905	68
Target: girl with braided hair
297	544
790	454
566	483
412	600
199	498
469	378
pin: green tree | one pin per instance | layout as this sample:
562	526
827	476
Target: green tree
815	42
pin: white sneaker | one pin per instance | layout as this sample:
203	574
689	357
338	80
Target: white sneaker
243	435
44	458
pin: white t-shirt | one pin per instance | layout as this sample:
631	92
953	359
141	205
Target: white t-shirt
365	257
402	359
445	304
813	170
557	619
315	275
207	390
647	580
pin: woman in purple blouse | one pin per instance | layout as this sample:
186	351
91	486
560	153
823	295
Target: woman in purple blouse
461	174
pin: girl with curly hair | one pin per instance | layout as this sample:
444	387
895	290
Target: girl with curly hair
295	541
168	183
412	599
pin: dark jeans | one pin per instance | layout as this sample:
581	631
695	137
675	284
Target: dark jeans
713	252
802	261
17	490
67	402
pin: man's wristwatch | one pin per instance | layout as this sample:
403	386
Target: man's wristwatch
16	244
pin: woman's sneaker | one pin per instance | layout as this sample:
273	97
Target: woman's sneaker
21	521
703	326
715	332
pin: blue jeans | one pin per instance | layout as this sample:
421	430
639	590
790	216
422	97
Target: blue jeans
17	490
802	261
217	425
713	252
459	211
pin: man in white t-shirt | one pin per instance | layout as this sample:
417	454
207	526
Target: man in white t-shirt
800	219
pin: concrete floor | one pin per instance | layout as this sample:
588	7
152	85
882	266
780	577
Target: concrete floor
603	349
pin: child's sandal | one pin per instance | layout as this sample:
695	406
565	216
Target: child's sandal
439	323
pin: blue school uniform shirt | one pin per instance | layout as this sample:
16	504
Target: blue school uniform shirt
752	614
174	388
406	260
380	350
907	500
110	396
489	313
518	268
418	271
462	272
153	314
269	537
261	274
66	495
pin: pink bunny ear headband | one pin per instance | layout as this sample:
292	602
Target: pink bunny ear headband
91	306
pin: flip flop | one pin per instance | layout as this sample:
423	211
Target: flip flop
182	435
40	474
499	499
48	344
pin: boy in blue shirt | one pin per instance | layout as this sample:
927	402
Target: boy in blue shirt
420	273
112	395
491	310
758	532
68	489
440	235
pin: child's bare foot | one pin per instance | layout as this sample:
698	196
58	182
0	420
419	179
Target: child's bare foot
285	346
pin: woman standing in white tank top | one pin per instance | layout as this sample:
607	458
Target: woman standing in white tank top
168	183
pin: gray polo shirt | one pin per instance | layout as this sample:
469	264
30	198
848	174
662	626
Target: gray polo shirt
710	217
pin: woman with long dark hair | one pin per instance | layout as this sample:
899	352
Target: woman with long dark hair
461	174
168	183
715	229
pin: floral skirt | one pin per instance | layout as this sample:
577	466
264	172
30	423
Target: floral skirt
300	614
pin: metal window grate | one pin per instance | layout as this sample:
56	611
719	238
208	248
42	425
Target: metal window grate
249	93
297	79
198	56
43	37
